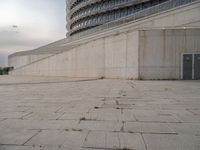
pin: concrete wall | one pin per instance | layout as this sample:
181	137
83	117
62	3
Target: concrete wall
19	61
112	57
161	50
23	58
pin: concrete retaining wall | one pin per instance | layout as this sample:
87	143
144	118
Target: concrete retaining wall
20	61
112	57
161	50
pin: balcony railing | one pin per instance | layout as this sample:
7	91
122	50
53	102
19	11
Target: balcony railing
140	14
88	12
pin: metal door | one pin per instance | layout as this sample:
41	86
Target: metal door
197	66
187	66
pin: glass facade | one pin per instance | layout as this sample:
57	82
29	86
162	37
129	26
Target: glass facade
86	14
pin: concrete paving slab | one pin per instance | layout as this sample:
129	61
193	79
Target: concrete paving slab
12	115
40	109
73	116
14	147
100	125
112	116
74	139
112	140
12	108
157	118
38	124
147	127
195	112
76	148
172	142
185	128
13	136
101	110
189	118
43	116
131	141
95	140
52	114
48	138
102	140
1	120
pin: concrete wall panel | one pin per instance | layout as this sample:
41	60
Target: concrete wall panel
161	51
111	57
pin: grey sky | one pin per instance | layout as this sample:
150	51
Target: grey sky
28	24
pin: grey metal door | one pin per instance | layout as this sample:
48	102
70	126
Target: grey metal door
187	66
197	66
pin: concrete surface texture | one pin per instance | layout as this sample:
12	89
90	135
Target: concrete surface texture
51	113
160	52
112	53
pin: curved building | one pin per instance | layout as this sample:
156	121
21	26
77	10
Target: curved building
83	15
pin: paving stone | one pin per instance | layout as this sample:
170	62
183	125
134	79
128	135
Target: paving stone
105	116
157	118
41	109
195	112
13	136
171	142
49	147
117	106
189	118
77	148
74	148
38	124
95	140
104	111
113	140
74	139
13	109
141	127
57	113
100	125
185	128
112	116
68	138
13	115
48	138
73	116
43	116
74	109
102	140
131	141
13	147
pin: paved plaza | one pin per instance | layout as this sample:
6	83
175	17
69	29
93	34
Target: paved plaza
49	113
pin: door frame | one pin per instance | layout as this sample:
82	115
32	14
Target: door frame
192	53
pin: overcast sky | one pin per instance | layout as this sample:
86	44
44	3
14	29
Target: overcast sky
28	24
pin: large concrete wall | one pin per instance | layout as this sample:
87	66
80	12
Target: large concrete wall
23	58
160	52
111	57
20	61
113	53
